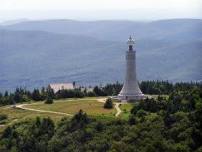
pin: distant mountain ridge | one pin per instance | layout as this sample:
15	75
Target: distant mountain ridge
35	53
114	30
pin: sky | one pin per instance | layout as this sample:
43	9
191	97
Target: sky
99	9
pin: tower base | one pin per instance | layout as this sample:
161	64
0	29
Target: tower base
131	97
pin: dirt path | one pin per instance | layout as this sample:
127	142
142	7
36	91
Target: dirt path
102	100
118	110
8	123
21	106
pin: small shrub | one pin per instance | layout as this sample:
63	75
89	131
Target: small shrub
108	104
49	100
3	117
91	94
132	120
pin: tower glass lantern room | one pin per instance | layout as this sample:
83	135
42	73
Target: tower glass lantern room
130	43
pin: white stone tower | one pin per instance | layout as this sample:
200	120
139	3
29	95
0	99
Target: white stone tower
130	90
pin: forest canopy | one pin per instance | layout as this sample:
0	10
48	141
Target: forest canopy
172	124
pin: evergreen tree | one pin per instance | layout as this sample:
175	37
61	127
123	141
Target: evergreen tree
108	104
36	95
50	92
48	100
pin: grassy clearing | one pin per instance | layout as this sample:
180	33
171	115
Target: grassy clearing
16	115
71	106
126	108
91	107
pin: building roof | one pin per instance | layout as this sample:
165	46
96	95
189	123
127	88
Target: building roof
60	86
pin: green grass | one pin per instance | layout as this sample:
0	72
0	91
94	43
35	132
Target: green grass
126	108
71	106
16	115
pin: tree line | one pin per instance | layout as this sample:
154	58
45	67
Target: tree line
172	124
147	87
